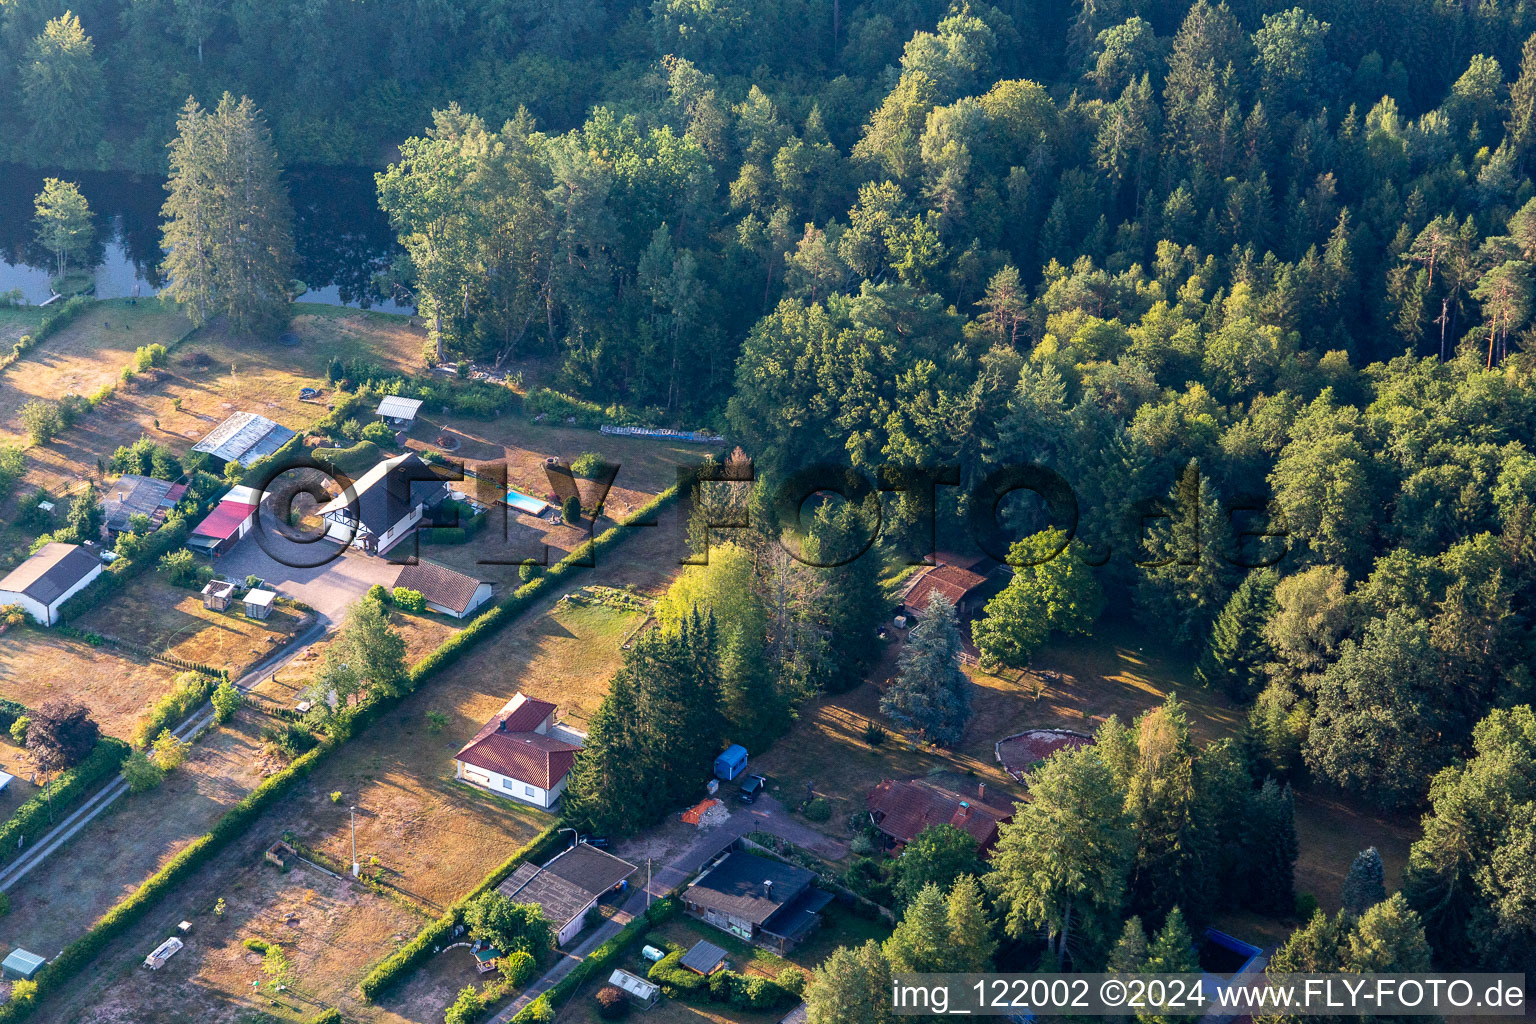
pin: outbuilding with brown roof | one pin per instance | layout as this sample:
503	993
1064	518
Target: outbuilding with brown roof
445	590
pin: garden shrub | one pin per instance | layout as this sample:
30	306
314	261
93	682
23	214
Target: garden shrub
611	1003
379	433
517	967
409	600
189	691
378	592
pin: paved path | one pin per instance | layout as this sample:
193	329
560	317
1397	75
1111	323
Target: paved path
106	796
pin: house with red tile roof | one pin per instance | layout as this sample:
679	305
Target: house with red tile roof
902	809
521	753
964	581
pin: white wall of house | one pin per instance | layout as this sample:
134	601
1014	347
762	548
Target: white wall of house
397	533
47	615
572	928
517	789
482	595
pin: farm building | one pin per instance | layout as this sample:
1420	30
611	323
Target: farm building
383	506
21	964
520	753
641	992
401	410
232	518
568	886
50	577
1023	750
445	590
133	495
758	899
901	810
244	438
258	603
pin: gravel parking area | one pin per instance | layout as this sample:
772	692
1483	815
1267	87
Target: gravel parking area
329	588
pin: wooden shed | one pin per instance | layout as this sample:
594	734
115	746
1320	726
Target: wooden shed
218	594
258	603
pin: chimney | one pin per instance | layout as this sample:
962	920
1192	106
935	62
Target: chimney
768	888
501	725
981	792
965	810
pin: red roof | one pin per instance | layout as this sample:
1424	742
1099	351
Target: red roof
508	745
949	580
224	521
903	809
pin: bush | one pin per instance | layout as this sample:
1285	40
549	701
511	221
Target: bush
141	773
42	420
570	509
409	600
518	968
590	465
355	460
182	569
292	740
818	809
331	1016
466	1009
227	699
792	980
528	571
190	690
437	721
662	911
5	904
611	1004
379	433
378	592
19	730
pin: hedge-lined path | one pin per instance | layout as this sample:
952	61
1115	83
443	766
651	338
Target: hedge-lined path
90	808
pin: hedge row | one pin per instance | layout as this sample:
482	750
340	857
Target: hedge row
79	954
407	958
32	818
738	990
52	322
359	458
191	691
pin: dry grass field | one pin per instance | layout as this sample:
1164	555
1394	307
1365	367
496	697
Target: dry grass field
57	901
173	621
208	377
36	666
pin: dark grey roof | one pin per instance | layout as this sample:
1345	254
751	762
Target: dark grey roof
704	957
47	575
132	496
796	919
383	496
736	886
563	891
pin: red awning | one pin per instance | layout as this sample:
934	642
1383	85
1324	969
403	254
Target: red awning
224	521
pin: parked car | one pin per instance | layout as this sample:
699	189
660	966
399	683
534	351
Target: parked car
749	789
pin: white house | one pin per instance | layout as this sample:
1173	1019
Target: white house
49	578
379	509
520	753
445	591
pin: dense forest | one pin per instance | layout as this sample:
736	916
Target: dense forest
1254	281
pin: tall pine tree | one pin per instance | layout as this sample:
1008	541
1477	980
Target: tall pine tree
1238	650
228	233
932	694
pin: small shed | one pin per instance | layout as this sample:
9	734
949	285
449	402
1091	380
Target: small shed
704	958
640	991
731	762
258	603
280	854
401	410
218	594
486	959
163	952
21	964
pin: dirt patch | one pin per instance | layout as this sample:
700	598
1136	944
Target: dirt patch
36	666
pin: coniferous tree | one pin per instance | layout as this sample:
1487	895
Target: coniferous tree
63	90
228	232
1129	954
1171	951
921	940
1366	884
1270	848
932	694
1238	650
1388	939
970	927
853	986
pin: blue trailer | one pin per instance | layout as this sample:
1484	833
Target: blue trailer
731	763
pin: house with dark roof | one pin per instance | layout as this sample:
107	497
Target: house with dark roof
132	495
50	577
445	590
902	809
759	899
380	508
243	438
568	886
521	753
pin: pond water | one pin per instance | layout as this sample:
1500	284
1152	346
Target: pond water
341	237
